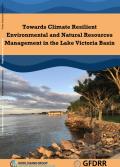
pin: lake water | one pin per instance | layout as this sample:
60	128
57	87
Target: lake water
24	133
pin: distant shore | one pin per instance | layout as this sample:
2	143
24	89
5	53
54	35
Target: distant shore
41	113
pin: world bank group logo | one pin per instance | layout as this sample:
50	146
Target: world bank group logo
13	163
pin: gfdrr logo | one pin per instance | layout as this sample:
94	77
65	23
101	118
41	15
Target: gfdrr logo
13	163
77	163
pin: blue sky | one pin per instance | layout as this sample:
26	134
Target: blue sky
60	79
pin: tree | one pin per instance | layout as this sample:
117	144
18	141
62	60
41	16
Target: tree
112	74
111	77
100	93
79	106
74	106
96	92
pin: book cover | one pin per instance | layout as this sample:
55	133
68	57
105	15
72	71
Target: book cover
59	83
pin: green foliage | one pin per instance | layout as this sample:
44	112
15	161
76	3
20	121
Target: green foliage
96	94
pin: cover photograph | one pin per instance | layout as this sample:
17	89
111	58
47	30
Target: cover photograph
59	83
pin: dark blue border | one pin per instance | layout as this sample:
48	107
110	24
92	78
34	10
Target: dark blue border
35	63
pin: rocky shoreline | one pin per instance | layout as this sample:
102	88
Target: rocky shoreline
101	140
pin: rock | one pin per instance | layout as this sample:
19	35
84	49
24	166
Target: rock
106	150
56	147
115	145
79	147
81	142
69	155
66	153
44	157
92	147
85	154
117	150
59	154
41	150
48	153
77	122
99	144
103	155
66	144
14	156
45	151
34	155
92	138
108	146
75	151
109	141
74	156
104	135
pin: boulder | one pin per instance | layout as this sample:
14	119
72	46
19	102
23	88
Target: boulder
92	147
85	154
15	156
75	151
81	142
66	153
109	141
66	144
56	147
106	150
92	138
98	144
74	156
45	152
44	157
103	155
59	154
34	155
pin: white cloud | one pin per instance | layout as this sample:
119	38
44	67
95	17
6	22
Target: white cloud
21	96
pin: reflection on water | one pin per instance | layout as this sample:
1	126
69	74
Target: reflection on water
24	133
